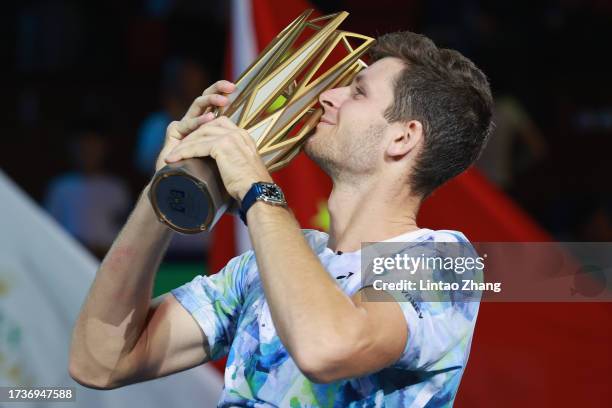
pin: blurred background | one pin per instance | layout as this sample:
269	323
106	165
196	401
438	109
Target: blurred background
89	88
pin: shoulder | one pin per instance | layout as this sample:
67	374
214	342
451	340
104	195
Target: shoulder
445	236
241	263
453	243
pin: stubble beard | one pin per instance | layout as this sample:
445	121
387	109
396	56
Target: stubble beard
349	162
322	154
346	163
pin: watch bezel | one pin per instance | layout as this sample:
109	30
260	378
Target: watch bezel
263	194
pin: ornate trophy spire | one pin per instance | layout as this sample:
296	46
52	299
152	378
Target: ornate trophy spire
274	101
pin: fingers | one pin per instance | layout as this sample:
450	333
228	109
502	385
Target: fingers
186	126
225	122
190	145
201	103
211	97
181	128
205	140
219	87
196	148
197	144
216	126
205	131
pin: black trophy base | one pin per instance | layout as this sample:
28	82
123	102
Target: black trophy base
189	196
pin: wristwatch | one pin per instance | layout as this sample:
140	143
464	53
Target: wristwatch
261	191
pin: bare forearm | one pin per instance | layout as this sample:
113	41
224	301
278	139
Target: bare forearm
302	297
115	311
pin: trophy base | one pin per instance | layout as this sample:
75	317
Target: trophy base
189	196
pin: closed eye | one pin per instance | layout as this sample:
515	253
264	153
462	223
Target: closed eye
359	91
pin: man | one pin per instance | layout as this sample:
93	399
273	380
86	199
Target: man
289	313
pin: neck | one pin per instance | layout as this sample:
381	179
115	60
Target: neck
369	212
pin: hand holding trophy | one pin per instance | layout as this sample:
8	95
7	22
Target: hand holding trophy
198	114
272	100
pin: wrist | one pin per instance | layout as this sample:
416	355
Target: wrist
246	186
261	210
144	200
266	192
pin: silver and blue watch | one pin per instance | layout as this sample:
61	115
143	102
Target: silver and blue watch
269	193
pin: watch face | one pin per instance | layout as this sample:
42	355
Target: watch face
271	193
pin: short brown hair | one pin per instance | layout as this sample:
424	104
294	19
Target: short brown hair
449	95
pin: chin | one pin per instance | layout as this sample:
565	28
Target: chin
317	152
308	147
310	141
318	146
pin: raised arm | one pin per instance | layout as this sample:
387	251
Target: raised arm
355	337
121	336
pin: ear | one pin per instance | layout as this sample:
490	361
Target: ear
406	137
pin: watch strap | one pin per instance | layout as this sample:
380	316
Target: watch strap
249	199
269	193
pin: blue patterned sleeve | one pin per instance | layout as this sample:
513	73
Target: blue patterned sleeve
439	332
215	301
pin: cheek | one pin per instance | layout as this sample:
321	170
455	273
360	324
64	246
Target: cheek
354	113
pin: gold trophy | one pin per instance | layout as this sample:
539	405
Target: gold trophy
274	101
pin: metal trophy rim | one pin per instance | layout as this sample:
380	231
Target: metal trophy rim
163	219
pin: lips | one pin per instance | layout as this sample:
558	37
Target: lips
326	121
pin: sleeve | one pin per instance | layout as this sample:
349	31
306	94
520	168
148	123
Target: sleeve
439	331
438	334
215	303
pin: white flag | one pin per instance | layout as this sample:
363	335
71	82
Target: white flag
44	278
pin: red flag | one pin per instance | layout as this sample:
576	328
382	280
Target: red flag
535	354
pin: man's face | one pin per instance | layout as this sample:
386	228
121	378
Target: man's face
348	141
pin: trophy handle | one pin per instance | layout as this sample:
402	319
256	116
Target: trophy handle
189	195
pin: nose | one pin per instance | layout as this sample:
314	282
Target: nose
332	98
